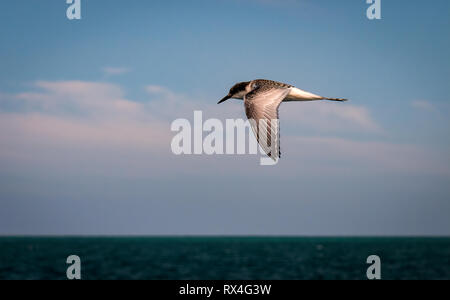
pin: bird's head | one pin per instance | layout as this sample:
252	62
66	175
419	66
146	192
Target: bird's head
238	91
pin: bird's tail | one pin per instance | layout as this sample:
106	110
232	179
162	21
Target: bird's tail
336	99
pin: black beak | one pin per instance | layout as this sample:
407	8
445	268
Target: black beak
224	99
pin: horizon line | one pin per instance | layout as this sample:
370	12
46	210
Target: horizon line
212	236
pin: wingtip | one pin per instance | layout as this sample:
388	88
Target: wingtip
275	157
337	99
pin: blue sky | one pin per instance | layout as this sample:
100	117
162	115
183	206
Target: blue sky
86	107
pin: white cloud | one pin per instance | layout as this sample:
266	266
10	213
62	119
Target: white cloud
92	127
79	98
68	124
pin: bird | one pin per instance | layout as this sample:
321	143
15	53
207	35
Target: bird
262	98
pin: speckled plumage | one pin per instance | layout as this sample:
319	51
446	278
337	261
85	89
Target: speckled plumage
264	83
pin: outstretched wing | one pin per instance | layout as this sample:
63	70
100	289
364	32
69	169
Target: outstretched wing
261	107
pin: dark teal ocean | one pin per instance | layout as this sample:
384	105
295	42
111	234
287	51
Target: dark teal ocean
224	258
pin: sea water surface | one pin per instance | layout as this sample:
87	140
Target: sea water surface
211	258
